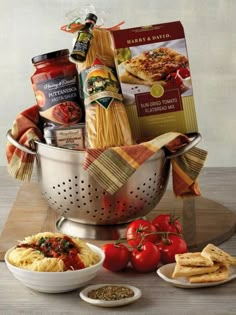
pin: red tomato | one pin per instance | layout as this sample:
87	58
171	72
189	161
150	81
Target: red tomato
173	244
145	259
67	112
172	80
167	223
183	72
116	256
139	231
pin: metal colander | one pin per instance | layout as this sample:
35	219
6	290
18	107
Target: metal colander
72	192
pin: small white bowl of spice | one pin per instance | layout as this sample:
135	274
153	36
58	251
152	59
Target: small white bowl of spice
110	295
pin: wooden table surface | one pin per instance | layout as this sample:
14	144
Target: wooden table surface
218	188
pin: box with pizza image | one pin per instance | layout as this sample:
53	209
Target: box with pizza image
153	69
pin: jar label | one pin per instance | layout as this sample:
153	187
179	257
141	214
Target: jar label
58	100
100	85
71	138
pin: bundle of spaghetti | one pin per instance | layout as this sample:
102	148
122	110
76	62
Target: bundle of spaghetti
101	47
106	127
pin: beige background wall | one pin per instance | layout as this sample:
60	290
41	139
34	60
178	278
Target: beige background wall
32	27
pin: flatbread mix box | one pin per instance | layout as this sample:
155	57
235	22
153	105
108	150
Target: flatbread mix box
153	69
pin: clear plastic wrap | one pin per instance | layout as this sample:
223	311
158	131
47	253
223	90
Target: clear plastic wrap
106	119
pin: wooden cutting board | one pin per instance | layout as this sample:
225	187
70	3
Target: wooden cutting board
30	214
203	220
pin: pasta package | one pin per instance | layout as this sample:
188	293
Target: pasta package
107	123
52	252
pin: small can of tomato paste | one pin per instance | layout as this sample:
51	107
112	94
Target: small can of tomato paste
56	88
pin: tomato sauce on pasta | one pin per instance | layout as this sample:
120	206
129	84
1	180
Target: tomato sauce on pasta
58	247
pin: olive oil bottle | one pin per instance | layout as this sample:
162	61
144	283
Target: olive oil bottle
83	39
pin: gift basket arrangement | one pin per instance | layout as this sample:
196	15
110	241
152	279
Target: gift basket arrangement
114	114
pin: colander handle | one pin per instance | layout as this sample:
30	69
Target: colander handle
196	139
18	145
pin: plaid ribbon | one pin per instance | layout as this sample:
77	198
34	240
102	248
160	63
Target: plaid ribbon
112	167
24	130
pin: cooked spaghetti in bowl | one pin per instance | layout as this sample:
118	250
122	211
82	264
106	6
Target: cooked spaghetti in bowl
54	262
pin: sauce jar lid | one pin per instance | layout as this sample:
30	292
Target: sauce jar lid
50	55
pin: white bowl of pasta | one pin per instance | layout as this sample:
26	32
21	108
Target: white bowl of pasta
48	262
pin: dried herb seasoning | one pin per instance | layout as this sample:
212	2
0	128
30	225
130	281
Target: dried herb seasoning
111	293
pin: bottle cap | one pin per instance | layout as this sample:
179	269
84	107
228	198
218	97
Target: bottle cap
91	16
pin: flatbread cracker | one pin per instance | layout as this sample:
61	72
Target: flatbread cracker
127	77
188	271
216	254
156	64
219	275
193	259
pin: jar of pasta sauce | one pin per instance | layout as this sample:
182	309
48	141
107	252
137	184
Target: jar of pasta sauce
55	84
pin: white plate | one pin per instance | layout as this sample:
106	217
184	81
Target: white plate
84	296
166	271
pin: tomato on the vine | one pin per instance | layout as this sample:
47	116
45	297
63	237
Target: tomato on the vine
169	246
117	256
167	223
139	231
146	258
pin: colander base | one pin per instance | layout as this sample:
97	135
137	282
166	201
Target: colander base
89	231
